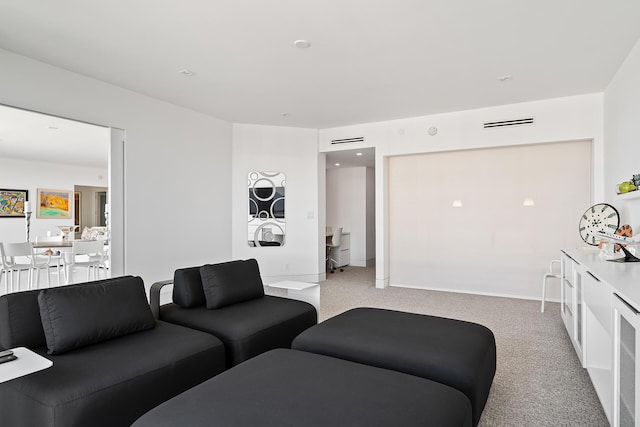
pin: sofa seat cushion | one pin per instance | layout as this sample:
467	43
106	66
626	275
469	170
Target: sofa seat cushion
114	382
453	352
293	388
249	328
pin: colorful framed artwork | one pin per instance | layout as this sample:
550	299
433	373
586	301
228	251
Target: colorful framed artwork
54	204
12	203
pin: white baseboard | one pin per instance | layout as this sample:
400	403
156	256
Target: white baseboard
474	292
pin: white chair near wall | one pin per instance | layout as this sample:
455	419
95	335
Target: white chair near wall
12	253
550	275
85	254
336	240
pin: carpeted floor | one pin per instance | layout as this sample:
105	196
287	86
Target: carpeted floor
538	382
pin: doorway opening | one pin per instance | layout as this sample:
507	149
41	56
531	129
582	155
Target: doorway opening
42	151
350	206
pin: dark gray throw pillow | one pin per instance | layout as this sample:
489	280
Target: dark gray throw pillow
187	287
231	282
80	315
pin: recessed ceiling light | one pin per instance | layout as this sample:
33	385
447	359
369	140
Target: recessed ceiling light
337	164
358	154
504	78
302	44
187	72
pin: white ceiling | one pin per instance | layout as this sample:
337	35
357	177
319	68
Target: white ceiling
363	157
369	60
38	137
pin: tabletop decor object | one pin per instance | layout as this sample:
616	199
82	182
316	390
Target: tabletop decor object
27	217
601	217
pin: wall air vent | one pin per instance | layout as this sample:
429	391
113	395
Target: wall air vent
507	123
347	140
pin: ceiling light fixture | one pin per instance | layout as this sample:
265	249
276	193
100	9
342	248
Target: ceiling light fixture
528	202
358	154
504	79
337	164
302	44
456	203
187	72
52	128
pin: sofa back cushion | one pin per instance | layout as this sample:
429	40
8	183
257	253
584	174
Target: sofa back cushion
231	282
187	287
74	317
20	324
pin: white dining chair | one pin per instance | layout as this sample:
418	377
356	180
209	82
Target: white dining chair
88	254
12	254
56	256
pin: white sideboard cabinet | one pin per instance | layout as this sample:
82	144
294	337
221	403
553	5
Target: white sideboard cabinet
626	390
600	306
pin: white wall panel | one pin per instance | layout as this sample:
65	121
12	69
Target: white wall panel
293	151
622	133
492	244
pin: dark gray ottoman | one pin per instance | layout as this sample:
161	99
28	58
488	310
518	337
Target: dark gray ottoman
452	352
291	388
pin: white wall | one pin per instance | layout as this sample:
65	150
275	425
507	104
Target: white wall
293	151
177	163
89	205
622	133
562	119
371	214
492	244
347	203
25	175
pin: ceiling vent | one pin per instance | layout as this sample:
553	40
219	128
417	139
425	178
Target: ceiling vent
507	123
347	140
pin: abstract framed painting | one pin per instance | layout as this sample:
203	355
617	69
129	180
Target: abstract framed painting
12	203
54	204
266	215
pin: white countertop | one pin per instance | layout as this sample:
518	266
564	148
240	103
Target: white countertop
624	277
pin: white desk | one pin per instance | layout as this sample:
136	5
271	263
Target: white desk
27	362
342	254
301	291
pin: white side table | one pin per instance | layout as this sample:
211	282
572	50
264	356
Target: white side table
27	362
301	291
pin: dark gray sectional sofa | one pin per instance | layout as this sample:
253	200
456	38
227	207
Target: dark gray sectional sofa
227	300
112	361
114	364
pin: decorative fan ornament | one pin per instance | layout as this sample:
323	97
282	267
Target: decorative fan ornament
601	217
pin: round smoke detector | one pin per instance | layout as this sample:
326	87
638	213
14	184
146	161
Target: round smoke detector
432	130
302	44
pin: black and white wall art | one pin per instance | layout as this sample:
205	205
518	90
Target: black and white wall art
266	213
